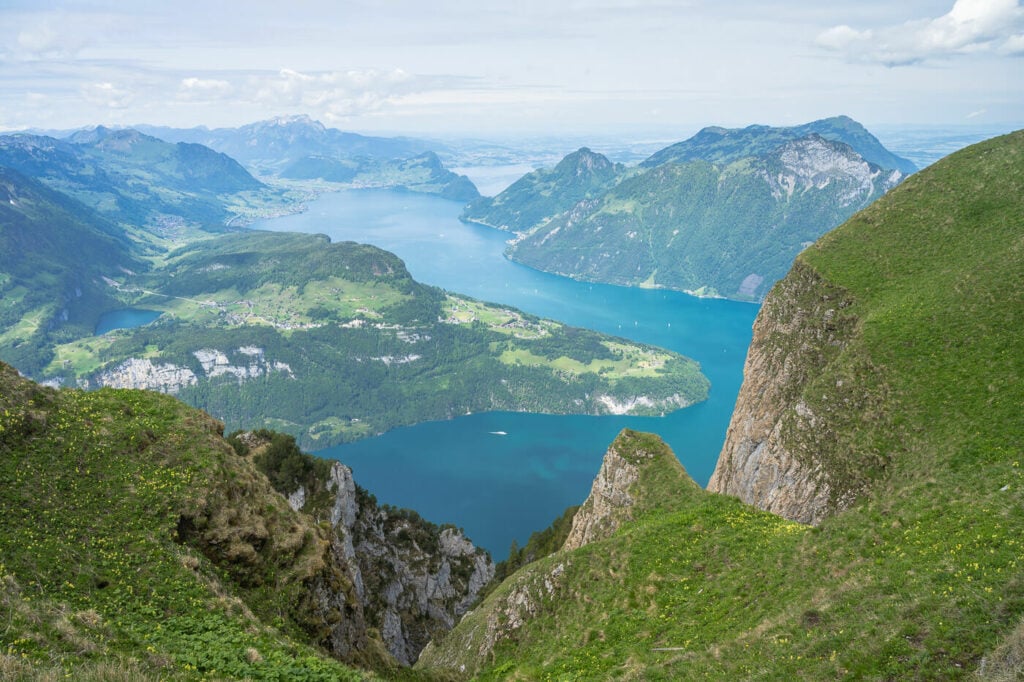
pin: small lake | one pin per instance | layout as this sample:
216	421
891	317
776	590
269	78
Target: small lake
463	471
125	319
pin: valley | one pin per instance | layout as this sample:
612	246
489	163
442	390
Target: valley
295	327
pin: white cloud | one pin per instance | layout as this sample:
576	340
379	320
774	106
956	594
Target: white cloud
1014	46
843	37
971	26
201	89
332	95
107	95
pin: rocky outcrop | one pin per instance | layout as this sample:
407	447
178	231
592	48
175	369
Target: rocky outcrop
393	581
781	453
529	594
814	162
412	579
143	373
626	486
609	501
639	475
146	374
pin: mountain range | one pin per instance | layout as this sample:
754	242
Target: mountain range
134	179
299	148
279	142
721	214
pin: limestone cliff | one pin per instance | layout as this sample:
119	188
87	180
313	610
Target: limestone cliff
413	580
614	496
143	373
782	451
404	577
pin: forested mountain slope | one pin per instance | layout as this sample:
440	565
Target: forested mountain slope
720	214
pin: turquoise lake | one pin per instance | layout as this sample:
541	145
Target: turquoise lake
125	319
464	471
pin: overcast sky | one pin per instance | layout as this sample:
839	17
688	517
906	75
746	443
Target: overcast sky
483	67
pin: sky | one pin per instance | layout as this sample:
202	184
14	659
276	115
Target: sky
477	67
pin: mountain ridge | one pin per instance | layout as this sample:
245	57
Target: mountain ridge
115	172
715	228
721	214
718	144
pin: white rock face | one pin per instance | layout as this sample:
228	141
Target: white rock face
143	373
815	163
297	500
631	405
216	363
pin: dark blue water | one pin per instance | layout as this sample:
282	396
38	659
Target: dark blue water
125	319
500	487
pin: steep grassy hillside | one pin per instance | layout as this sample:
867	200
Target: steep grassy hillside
54	252
135	544
912	418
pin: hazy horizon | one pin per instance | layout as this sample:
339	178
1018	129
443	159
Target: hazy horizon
489	69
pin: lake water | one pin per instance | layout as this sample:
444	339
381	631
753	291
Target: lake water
462	471
125	319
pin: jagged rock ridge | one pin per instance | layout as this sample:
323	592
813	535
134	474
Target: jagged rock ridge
412	584
411	580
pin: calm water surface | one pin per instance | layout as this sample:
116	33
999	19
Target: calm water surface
463	471
125	319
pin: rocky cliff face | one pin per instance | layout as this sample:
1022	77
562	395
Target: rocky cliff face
635	466
609	501
411	579
781	451
814	162
143	373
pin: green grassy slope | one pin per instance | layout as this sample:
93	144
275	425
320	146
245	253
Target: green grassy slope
922	577
53	253
135	544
